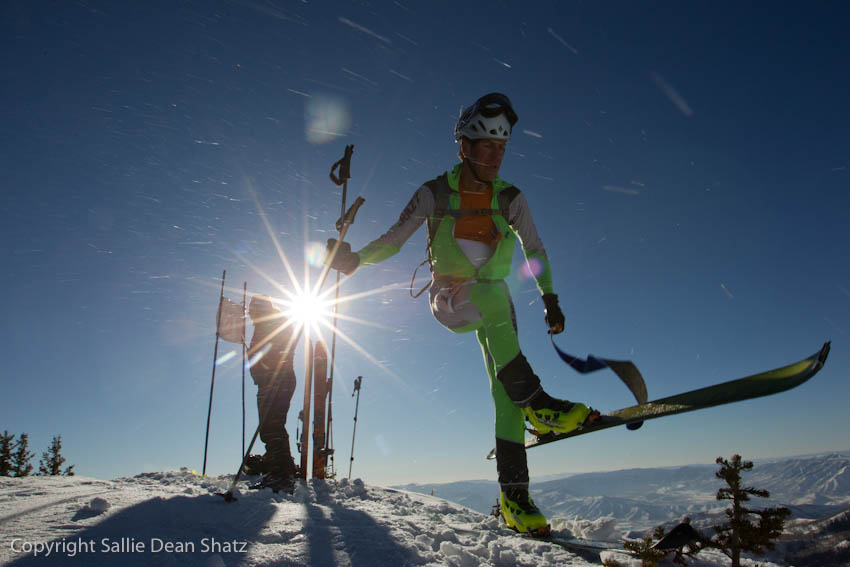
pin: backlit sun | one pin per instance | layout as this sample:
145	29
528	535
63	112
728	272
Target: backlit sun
307	309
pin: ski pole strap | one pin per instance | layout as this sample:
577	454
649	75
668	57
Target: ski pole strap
344	165
624	369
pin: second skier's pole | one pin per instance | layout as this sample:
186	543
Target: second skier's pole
244	357
212	380
357	383
228	496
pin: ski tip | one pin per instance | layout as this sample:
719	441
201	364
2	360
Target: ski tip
228	496
824	351
820	357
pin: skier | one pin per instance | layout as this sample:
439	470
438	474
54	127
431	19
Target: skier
273	373
474	219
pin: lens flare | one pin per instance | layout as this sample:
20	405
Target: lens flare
225	357
327	119
314	253
530	269
255	358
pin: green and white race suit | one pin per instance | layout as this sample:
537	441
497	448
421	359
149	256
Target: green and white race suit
468	291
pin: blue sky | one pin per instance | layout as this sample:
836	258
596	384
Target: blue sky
686	165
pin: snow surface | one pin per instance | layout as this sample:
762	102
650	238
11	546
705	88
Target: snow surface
177	518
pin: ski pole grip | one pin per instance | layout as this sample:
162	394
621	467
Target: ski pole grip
344	165
348	218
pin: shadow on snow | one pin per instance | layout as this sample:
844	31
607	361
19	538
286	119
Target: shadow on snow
206	526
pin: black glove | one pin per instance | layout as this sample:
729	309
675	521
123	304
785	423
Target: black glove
344	260
554	316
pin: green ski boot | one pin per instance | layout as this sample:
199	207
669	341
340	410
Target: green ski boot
549	415
520	513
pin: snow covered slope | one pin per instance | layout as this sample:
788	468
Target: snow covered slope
178	518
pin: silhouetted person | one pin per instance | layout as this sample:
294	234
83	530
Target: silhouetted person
271	352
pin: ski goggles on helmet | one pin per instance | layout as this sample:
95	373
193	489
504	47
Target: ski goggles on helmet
492	105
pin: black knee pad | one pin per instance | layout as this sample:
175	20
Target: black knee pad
519	380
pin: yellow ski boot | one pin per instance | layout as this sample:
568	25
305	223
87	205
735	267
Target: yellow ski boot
520	513
549	415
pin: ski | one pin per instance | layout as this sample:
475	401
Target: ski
591	551
304	415
755	386
588	550
320	402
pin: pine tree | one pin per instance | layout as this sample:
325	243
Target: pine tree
741	534
6	440
21	457
52	460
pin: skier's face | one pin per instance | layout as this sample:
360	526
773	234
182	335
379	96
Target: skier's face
486	156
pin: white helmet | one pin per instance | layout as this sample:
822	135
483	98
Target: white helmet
491	117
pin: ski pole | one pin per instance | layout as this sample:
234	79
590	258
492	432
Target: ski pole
347	217
212	381
344	166
244	353
357	383
343	223
228	496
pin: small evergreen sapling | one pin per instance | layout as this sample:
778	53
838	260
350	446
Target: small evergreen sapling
21	457
741	534
6	441
643	550
52	460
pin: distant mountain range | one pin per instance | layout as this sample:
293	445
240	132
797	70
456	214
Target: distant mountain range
813	487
